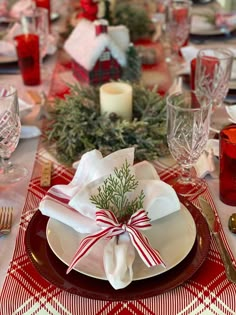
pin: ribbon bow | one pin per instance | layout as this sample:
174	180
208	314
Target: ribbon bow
111	227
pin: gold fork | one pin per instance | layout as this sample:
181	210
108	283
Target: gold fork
5	220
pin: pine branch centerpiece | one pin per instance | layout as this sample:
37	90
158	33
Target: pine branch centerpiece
76	125
112	194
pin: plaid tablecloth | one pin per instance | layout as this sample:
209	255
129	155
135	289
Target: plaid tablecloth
25	291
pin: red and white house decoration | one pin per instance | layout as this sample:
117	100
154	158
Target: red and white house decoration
98	51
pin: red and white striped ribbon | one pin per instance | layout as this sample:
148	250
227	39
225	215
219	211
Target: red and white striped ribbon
111	227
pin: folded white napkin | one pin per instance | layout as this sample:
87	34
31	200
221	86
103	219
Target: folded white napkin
225	19
207	164
21	6
24	107
7	48
190	52
200	24
231	111
70	204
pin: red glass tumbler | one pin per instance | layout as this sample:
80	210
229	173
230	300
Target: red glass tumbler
46	4
27	47
228	165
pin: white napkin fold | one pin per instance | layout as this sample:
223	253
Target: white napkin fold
70	204
207	164
225	19
7	48
21	6
231	111
200	23
24	107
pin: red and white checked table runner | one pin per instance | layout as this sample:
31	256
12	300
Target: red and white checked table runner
26	292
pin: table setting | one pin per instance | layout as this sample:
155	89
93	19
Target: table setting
20	21
126	207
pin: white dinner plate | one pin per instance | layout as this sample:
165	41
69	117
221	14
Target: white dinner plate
173	236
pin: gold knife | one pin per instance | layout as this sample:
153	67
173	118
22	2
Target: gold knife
213	224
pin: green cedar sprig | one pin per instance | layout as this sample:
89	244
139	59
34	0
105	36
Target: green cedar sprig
112	195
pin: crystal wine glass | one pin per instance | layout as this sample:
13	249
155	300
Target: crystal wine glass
187	135
9	135
177	27
212	74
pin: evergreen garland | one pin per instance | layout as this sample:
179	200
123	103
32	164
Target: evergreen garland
76	126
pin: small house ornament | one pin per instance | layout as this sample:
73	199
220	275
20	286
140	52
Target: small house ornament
98	51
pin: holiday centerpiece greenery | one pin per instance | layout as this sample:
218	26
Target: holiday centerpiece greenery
76	125
134	17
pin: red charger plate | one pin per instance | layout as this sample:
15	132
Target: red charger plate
54	270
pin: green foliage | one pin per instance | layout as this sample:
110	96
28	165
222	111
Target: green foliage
76	125
132	71
112	195
135	18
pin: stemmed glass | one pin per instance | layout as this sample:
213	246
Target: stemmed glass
177	27
9	135
212	74
187	135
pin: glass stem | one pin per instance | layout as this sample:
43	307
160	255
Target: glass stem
6	165
185	175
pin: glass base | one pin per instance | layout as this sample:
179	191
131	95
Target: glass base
188	188
14	174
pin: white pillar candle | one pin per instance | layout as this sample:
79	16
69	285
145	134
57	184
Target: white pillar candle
116	97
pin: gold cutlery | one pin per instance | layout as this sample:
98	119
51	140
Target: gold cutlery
6	214
213	224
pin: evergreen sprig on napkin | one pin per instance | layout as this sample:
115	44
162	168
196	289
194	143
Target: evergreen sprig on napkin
76	125
112	195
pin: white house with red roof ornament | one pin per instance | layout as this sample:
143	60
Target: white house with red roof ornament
98	51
